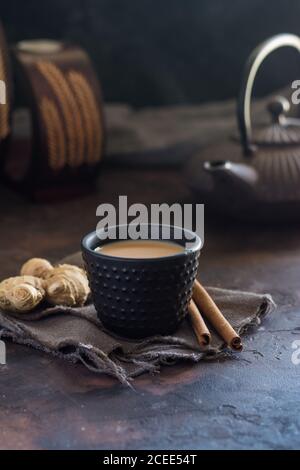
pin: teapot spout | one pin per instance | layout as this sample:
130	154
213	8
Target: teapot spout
232	177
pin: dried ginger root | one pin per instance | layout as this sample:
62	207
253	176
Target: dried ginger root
38	267
67	285
21	293
61	285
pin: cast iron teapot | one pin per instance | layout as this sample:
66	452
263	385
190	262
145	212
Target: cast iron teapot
258	175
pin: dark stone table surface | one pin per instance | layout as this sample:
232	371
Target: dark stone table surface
250	401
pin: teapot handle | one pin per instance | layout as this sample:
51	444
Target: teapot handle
254	62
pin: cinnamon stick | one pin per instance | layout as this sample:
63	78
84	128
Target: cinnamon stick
200	329
210	310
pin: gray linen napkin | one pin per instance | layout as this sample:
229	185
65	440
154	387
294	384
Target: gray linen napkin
76	334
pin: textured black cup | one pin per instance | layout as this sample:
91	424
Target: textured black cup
136	298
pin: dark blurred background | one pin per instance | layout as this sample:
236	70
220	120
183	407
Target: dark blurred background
150	52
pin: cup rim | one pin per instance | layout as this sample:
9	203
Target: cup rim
87	240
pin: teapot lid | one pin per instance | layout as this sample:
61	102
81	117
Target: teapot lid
283	130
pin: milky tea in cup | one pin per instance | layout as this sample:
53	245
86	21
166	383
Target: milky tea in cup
140	249
141	287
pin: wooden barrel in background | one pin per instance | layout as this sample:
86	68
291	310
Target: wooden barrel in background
58	146
6	94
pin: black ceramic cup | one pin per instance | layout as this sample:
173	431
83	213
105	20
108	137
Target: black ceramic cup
136	298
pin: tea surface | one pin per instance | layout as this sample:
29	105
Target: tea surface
140	249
